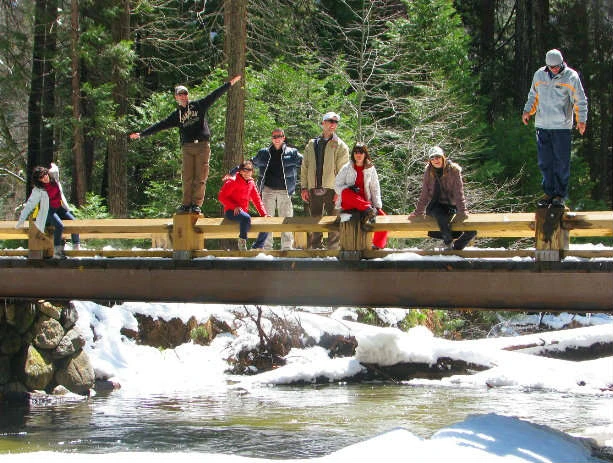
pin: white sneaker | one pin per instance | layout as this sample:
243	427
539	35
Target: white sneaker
242	244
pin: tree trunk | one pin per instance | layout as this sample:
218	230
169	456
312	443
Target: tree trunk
118	144
531	42
601	127
235	44
44	18
48	107
79	177
486	52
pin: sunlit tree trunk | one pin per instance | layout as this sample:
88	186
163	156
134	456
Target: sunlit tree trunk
118	144
235	44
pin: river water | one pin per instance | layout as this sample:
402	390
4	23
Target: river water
280	421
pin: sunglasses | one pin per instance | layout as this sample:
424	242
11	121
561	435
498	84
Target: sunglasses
247	169
436	156
278	136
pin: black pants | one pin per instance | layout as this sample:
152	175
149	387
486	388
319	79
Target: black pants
443	214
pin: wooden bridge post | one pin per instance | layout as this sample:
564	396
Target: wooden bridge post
551	238
185	237
40	246
353	239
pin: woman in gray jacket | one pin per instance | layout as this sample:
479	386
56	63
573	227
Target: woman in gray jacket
442	197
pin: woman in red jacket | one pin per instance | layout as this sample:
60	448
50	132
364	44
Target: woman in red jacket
235	194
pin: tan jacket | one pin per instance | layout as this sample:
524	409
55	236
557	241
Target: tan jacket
336	156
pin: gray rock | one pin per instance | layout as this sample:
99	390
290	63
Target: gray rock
69	317
24	317
71	343
20	316
49	309
48	333
77	375
37	369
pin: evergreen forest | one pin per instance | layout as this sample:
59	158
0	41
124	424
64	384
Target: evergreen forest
78	76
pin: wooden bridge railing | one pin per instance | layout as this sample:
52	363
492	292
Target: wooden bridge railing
184	236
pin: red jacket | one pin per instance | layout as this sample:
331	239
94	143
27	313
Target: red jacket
236	192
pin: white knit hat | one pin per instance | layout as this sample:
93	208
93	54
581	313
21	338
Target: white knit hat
331	116
435	151
554	57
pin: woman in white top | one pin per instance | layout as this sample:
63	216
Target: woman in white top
357	187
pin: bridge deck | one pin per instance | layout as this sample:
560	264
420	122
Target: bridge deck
577	286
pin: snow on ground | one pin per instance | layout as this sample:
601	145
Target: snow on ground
116	357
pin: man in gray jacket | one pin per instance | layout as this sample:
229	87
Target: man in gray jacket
324	157
556	97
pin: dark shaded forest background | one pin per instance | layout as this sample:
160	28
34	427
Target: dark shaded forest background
78	76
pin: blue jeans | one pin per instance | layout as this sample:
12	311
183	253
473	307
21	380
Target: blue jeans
553	148
54	217
244	220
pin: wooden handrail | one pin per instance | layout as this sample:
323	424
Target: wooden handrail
488	225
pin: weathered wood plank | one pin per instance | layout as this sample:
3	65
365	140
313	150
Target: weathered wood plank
491	225
580	286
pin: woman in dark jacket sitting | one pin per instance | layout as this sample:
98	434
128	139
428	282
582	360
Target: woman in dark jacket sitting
442	197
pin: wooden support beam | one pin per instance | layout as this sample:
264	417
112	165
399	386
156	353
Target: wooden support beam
185	237
551	238
581	286
40	246
353	239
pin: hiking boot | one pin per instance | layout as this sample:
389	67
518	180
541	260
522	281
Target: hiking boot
242	244
557	201
196	209
183	209
58	252
464	240
544	201
369	216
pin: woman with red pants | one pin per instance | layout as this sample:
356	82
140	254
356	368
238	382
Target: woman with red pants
357	187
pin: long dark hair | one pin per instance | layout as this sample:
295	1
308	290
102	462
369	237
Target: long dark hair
362	148
37	174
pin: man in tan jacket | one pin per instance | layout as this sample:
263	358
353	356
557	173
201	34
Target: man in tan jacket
323	158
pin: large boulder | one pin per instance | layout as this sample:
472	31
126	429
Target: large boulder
51	311
77	374
70	344
37	369
69	317
48	333
166	334
20	316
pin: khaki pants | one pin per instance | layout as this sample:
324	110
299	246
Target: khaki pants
195	171
280	201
